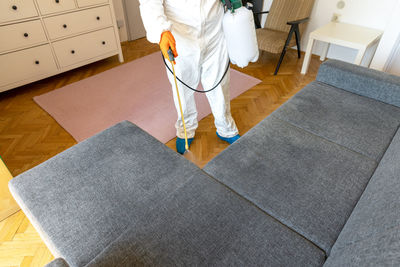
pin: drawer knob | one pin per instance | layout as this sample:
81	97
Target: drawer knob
98	18
37	62
72	51
57	1
26	34
104	42
14	7
65	26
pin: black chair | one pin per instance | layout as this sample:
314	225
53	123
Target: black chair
285	17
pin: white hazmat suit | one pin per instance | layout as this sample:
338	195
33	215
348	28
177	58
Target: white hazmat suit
202	56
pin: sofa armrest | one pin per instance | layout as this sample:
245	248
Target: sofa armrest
360	80
59	262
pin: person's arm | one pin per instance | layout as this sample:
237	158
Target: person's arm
154	20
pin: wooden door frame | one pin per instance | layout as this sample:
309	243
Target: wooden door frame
128	29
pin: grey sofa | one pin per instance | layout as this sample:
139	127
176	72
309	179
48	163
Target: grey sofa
315	183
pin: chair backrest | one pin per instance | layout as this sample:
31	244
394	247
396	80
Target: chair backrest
282	11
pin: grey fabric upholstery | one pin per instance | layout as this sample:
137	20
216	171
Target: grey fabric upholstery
362	81
371	236
359	123
59	262
204	224
285	194
84	198
304	181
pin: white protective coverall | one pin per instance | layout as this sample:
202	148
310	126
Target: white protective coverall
202	56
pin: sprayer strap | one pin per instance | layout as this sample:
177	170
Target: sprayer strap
198	91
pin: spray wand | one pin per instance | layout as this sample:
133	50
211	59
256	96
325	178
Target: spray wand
172	59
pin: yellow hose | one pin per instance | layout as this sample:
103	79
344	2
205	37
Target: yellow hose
180	107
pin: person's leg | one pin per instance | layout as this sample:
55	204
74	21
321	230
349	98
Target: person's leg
212	69
187	69
219	100
188	108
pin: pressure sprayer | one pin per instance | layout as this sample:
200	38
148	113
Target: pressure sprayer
240	33
172	59
241	39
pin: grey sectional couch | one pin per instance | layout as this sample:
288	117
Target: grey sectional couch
315	183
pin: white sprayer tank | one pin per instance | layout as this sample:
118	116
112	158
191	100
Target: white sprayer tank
240	35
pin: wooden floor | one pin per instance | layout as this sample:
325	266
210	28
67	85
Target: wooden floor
29	136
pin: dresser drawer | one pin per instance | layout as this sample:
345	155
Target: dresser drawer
82	3
21	35
26	64
16	9
83	47
79	21
53	6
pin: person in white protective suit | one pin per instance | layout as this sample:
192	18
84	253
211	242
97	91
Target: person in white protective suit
194	30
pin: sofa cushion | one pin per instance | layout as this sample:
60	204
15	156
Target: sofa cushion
358	123
363	81
85	197
371	236
205	224
123	184
304	181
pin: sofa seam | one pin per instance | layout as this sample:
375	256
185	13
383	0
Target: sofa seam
329	141
351	243
129	226
350	150
376	163
354	93
390	142
265	212
370	178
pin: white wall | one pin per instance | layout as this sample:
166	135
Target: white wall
378	14
266	6
369	13
389	41
394	62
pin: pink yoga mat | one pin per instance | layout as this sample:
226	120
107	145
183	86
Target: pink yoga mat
138	91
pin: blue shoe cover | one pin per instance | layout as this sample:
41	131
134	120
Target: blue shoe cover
230	140
180	144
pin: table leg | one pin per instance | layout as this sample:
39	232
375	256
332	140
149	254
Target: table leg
360	56
307	57
325	51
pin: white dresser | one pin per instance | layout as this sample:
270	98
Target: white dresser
41	38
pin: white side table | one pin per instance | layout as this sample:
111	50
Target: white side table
348	35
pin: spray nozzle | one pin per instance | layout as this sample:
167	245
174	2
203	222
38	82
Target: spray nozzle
171	55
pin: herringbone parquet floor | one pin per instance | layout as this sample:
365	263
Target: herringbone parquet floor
29	136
